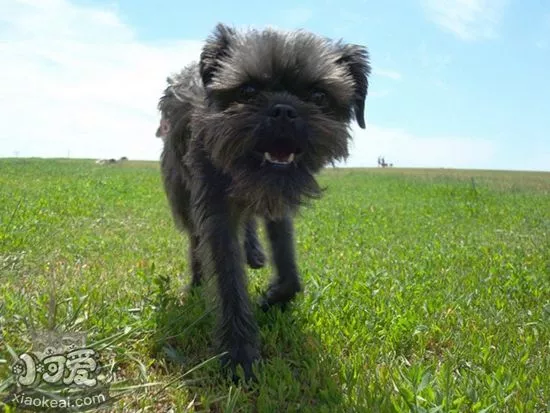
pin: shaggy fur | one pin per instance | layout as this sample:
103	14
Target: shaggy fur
245	131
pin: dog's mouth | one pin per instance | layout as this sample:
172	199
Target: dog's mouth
279	158
279	153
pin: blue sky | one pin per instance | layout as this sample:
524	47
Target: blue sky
456	83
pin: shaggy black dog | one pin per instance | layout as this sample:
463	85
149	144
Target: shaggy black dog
245	130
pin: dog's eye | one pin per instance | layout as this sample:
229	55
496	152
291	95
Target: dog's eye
318	97
247	91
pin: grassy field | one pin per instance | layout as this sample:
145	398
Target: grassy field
425	291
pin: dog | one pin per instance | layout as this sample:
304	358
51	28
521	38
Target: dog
245	131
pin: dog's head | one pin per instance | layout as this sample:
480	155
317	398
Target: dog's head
279	106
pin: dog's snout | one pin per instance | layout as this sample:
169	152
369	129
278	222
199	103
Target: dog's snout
282	111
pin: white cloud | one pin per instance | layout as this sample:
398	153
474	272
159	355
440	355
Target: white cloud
391	74
466	19
405	150
77	78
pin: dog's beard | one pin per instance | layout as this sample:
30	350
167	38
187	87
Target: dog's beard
273	192
272	166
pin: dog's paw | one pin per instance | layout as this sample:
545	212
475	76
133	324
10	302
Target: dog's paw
255	256
243	357
279	294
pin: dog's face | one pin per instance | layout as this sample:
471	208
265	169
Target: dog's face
278	109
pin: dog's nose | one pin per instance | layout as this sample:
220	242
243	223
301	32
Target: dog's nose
282	111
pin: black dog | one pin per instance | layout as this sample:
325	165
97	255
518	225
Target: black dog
245	129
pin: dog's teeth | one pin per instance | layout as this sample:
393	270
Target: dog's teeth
269	158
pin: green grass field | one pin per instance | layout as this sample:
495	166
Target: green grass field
425	291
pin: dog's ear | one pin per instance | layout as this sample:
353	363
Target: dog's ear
216	47
356	58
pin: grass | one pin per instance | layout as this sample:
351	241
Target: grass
425	290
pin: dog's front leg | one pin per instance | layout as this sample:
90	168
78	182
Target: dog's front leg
253	248
238	329
286	283
222	252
